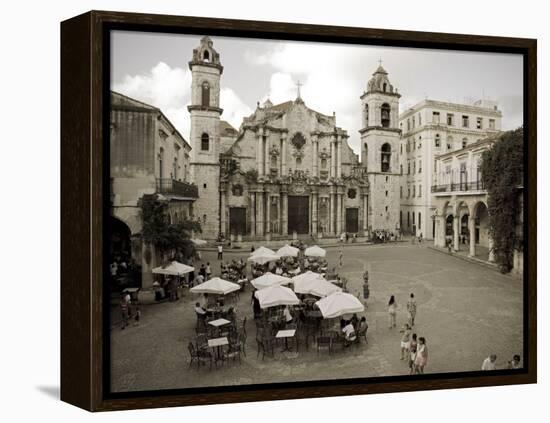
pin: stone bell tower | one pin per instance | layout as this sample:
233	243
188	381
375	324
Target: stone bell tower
205	112
380	149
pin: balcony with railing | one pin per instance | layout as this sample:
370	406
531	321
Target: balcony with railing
179	188
459	187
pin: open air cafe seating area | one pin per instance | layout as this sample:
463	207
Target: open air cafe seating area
232	334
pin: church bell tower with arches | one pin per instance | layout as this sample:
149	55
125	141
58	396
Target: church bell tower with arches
380	135
205	112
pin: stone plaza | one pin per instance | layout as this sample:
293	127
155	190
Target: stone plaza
466	311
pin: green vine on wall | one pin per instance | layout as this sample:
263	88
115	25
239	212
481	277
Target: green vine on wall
170	239
502	173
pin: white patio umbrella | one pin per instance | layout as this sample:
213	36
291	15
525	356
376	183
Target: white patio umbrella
269	279
338	304
323	288
262	251
215	286
197	241
263	258
174	268
314	284
288	251
306	277
315	251
276	295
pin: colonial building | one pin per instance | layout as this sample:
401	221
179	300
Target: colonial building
433	128
460	200
147	156
288	170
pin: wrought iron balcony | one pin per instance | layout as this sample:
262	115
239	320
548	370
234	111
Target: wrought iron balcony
179	188
459	187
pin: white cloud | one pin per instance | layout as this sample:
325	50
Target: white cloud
332	76
233	107
169	89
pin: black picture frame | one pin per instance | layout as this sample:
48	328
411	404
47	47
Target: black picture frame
85	198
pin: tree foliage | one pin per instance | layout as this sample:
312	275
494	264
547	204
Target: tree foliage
170	239
502	173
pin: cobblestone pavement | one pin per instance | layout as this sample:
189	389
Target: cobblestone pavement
465	311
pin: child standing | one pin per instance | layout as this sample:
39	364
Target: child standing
405	340
392	311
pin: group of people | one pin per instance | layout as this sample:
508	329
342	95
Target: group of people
490	363
128	311
234	270
413	348
384	235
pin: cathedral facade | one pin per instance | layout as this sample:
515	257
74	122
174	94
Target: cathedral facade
288	171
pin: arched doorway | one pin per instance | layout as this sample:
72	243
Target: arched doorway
482	225
449	229
120	246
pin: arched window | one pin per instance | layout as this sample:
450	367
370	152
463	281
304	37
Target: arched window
160	162
366	115
384	87
205	99
175	167
206	56
205	142
449	143
385	113
385	158
437	140
323	163
464	142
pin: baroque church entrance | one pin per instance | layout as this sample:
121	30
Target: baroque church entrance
352	220
237	220
298	214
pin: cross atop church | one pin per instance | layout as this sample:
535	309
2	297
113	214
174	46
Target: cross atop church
298	85
380	61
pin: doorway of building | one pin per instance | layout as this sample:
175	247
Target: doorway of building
352	220
237	220
298	214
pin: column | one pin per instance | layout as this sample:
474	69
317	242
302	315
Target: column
314	217
253	214
332	157
259	214
284	213
259	153
315	156
365	215
283	154
339	157
267	164
331	214
472	231
223	212
268	214
338	214
491	250
456	232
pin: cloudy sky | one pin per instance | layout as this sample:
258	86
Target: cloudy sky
154	68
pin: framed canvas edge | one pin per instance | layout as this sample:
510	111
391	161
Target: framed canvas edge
81	274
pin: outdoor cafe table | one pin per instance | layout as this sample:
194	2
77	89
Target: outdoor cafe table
218	343
286	333
219	322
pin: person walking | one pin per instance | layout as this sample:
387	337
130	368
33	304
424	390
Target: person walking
412	354
515	363
489	363
421	358
124	310
392	311
405	340
220	252
411	310
208	271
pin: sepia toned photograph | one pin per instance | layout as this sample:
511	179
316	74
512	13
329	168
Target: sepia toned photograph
290	211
